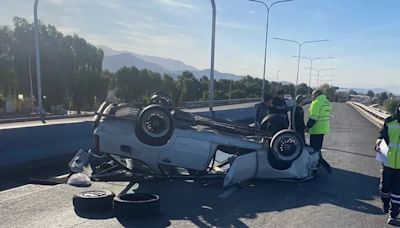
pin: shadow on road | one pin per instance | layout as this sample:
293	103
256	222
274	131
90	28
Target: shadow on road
348	152
203	206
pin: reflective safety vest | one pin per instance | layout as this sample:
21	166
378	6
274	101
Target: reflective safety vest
320	111
394	145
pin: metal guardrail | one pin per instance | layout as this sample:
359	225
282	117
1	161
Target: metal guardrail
202	104
50	117
378	115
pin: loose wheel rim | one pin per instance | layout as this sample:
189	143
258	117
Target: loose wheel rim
94	194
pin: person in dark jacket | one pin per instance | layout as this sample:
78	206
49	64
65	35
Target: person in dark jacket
297	117
263	109
390	178
279	105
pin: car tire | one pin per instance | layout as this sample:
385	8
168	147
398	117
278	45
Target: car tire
136	205
154	126
286	146
273	123
161	99
94	200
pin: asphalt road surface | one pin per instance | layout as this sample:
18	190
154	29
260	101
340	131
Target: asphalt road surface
347	198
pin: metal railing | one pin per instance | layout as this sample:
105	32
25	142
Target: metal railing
202	104
379	116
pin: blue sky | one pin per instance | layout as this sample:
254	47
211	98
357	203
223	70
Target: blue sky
364	34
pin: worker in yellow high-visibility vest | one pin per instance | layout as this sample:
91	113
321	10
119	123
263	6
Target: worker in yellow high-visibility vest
390	179
318	124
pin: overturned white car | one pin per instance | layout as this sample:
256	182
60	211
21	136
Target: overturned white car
161	141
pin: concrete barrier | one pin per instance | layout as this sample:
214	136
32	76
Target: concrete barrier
21	146
25	146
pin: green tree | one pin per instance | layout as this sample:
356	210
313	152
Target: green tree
370	94
329	91
189	87
302	89
382	97
127	80
8	80
391	106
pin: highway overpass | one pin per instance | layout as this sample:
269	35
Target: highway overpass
347	198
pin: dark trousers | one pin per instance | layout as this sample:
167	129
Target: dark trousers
301	134
390	189
316	142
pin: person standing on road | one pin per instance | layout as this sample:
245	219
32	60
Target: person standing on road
297	117
390	172
279	105
318	124
263	109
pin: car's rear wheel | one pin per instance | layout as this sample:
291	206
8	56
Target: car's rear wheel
155	125
286	146
161	99
273	123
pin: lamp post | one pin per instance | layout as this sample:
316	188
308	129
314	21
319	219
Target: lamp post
277	80
322	80
319	71
30	82
38	73
311	68
268	7
211	89
299	56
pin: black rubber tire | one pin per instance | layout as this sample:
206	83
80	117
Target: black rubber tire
149	139
278	165
136	205
286	146
94	200
162	99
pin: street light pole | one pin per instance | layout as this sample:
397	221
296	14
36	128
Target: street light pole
320	78
211	92
311	68
38	73
266	39
319	71
299	56
30	82
277	80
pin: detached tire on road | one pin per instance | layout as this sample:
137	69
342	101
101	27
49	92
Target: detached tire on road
154	126
285	147
136	205
94	200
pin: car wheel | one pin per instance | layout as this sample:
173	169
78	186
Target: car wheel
161	99
136	205
273	123
286	146
94	200
154	126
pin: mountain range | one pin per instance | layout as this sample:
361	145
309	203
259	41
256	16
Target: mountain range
114	60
